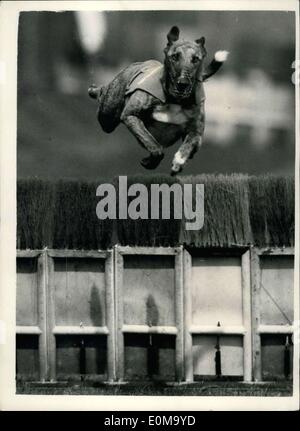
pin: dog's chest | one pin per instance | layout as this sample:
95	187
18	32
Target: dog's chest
168	122
173	114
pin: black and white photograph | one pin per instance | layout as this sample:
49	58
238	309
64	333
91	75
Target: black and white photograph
150	204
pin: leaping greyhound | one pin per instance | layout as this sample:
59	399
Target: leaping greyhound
161	103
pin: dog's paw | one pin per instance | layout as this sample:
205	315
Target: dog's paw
151	162
178	163
176	169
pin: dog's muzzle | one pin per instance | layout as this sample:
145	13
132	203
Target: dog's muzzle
183	86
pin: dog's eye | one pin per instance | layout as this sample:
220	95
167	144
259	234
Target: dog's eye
195	59
175	57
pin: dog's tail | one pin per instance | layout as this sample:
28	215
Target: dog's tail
94	91
219	58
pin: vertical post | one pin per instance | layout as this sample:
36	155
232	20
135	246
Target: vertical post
119	267
179	366
246	288
255	289
110	316
42	320
188	341
51	320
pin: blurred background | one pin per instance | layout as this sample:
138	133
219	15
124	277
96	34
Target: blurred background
250	102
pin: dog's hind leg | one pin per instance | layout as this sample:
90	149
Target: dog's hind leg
138	103
108	115
144	137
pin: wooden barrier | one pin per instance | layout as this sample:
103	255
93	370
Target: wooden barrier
135	313
74	297
149	297
272	271
31	309
217	307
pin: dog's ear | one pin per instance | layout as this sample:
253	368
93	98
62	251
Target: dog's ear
173	35
200	41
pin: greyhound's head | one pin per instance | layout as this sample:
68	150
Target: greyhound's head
183	64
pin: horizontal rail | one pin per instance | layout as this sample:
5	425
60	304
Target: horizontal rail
171	251
275	251
145	329
265	251
213	329
28	330
97	254
275	329
28	253
80	330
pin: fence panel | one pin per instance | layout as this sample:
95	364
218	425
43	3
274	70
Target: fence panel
31	331
149	313
217	314
65	301
81	315
27	287
272	291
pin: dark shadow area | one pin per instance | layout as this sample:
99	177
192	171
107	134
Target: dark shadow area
26	265
137	357
272	262
78	355
277	357
27	357
149	263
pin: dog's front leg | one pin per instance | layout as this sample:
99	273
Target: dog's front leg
192	141
138	104
190	145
